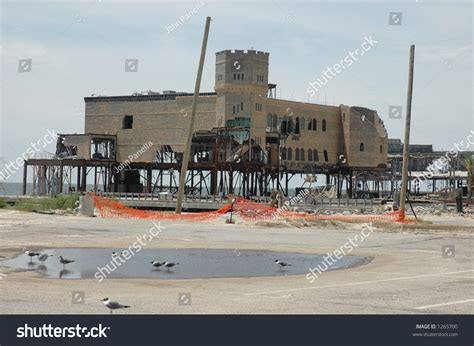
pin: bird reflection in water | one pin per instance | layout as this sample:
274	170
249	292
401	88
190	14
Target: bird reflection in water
42	269
64	272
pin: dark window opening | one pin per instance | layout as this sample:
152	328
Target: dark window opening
326	156
283	153
315	155
297	154
127	122
289	154
310	155
315	125
361	147
324	126
302	154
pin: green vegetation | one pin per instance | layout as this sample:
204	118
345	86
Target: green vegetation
47	203
3	204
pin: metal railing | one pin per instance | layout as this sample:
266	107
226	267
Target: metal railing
318	201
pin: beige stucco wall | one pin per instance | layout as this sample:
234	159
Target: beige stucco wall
161	122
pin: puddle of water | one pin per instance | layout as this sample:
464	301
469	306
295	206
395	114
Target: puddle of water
193	263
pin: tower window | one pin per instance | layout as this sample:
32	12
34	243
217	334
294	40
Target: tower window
241	106
302	154
235	76
242	76
289	154
127	122
324	126
315	125
233	109
361	147
310	155
326	156
381	149
297	154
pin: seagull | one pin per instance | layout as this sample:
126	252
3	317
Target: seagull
43	257
282	264
157	264
114	254
169	264
113	305
31	254
64	261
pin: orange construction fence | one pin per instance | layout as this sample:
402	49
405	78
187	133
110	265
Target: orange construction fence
247	209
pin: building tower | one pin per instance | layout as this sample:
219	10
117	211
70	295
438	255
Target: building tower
241	85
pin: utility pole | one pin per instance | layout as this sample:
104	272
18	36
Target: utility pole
406	143
187	148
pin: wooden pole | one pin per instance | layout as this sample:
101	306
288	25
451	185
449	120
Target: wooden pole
406	143
187	148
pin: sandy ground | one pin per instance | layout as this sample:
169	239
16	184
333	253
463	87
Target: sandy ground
407	275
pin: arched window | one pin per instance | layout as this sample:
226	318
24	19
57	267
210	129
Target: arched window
297	154
326	156
361	147
297	125
302	124
309	124
381	149
310	155
324	126
302	154
315	155
315	125
283	153
289	154
275	122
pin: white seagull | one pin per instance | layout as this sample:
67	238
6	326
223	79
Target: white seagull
43	257
31	254
65	261
169	265
282	264
113	305
157	264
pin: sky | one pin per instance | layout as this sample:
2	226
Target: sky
79	48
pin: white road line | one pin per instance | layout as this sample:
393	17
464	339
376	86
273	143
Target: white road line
356	283
444	304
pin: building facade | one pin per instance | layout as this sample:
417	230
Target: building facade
294	135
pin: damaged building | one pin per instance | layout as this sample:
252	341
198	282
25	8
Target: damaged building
245	140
